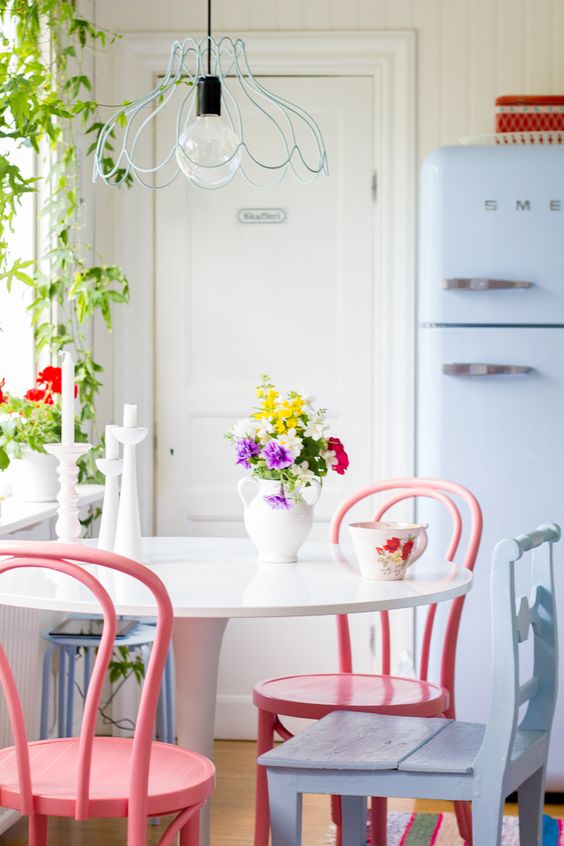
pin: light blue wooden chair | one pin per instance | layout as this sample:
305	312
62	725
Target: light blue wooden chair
354	755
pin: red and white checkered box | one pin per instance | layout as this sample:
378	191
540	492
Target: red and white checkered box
531	114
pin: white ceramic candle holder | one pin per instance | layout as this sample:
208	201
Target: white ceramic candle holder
128	529
111	468
67	527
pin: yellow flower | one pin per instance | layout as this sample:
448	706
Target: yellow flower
280	426
292	422
260	392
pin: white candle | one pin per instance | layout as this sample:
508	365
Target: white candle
112	445
67	399
129	416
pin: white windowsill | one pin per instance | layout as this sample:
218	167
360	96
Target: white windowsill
16	515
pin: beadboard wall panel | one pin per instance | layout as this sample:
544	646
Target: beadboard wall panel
468	51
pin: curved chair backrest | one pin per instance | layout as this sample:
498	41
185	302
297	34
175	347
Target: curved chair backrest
442	491
513	621
68	558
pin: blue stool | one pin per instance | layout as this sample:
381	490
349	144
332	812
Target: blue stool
140	638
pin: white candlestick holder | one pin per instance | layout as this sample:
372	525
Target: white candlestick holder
67	527
128	529
111	468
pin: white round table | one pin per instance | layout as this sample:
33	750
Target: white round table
212	579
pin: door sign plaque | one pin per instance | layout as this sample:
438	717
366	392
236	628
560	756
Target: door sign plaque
262	215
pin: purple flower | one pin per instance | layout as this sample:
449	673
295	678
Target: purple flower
278	501
277	456
246	448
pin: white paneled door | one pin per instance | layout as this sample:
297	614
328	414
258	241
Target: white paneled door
293	297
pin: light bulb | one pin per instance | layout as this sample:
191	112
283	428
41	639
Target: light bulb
207	152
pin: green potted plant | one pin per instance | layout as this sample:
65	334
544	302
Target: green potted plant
26	424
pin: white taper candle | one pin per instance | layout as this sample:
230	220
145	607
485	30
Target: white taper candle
129	415
67	399
112	445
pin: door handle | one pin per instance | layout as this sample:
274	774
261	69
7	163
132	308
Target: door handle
476	284
467	369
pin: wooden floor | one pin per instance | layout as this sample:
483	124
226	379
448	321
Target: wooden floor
232	810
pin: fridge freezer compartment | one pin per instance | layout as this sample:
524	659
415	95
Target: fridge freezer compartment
491	218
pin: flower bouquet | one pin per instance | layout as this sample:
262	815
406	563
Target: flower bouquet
285	440
285	445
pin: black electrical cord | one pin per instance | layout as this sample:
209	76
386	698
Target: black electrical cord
209	37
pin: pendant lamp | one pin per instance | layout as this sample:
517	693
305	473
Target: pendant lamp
226	121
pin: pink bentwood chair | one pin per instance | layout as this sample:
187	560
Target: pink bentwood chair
314	696
90	777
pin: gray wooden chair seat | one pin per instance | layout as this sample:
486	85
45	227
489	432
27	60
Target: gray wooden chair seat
378	742
357	754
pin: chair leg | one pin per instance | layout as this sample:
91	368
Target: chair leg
169	696
379	821
463	812
353	810
531	802
337	819
71	658
45	690
62	686
38	830
487	816
265	741
285	808
190	833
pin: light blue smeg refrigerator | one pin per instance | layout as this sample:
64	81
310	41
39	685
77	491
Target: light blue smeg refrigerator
490	380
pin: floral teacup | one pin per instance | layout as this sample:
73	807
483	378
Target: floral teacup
385	550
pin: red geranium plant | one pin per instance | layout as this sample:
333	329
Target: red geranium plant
34	419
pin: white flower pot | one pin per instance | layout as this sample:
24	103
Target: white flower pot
276	533
34	477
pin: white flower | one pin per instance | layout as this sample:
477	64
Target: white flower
264	428
316	428
246	428
7	423
329	456
291	441
303	474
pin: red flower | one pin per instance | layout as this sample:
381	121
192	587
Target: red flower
40	395
406	550
340	454
3	396
379	550
392	544
51	379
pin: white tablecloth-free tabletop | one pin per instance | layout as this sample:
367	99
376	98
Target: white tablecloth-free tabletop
212	579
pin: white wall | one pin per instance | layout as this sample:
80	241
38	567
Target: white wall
468	52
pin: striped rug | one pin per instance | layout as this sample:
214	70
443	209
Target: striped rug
406	829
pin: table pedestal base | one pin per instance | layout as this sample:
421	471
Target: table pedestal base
197	644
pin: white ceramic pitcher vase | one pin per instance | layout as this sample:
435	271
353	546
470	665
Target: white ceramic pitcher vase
277	533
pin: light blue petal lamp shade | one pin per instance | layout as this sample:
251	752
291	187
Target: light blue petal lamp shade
226	121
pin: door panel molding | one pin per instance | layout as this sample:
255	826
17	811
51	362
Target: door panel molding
389	58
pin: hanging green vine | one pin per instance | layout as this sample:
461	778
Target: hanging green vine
46	103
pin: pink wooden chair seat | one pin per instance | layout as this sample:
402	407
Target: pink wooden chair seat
177	778
314	696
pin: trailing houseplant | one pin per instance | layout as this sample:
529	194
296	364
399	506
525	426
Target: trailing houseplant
46	103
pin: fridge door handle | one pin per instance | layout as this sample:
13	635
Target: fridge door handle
477	284
473	369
